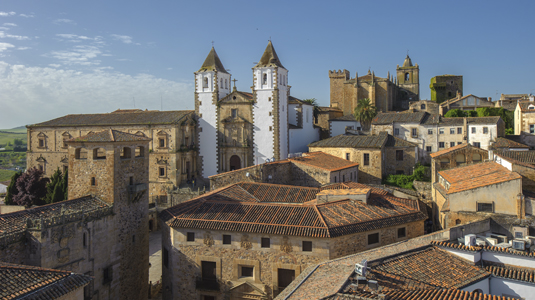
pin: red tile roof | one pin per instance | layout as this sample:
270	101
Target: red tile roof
506	143
476	176
281	209
510	272
324	161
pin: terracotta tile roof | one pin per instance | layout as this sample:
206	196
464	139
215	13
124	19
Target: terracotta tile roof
476	176
384	118
508	143
512	160
353	141
293	100
524	106
28	282
521	156
324	161
280	209
451	149
120	118
353	185
426	294
510	272
109	135
17	221
449	244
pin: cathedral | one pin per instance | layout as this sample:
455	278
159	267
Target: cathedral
387	94
239	129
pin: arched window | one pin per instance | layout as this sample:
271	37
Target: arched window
457	222
265	79
221	83
99	153
460	158
140	151
226	84
476	157
126	152
407	76
205	82
80	153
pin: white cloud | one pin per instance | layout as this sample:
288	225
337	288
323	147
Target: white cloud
11	36
24	48
39	94
7	14
26	16
79	55
5	46
10	24
123	38
54	65
63	21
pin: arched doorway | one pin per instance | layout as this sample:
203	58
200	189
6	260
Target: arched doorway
235	162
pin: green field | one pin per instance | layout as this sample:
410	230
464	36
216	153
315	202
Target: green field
5	175
9	135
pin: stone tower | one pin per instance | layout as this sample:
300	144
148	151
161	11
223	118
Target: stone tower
212	82
270	113
114	166
408	78
445	87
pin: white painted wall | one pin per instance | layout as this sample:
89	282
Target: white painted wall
483	285
470	256
283	115
208	134
339	127
292	113
503	162
518	289
483	138
509	259
300	138
262	136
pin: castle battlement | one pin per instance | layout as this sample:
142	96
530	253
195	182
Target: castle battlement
339	74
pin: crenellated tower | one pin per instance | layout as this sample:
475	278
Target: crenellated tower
212	82
270	109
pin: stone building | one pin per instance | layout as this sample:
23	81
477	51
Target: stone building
525	121
445	87
433	133
29	282
250	240
472	192
102	230
526	170
468	102
312	169
459	155
377	155
424	105
386	94
509	101
172	150
325	115
341	125
240	129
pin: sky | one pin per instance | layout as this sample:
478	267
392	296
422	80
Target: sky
75	57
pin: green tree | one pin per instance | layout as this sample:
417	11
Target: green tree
65	185
471	113
17	142
365	112
455	113
55	180
316	110
12	189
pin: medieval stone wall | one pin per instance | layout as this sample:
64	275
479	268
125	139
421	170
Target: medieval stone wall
406	164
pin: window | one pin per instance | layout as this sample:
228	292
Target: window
347	156
422	106
307	246
343	178
373	238
162	171
190	237
399	155
366	159
131	180
334	178
208	270
473	130
458	143
165	257
133	239
269	99
270	113
140	151
396	131
402	232
234	112
227	239
270	128
205	82
99	153
449	94
459	130
226	84
126	152
452	130
107	275
488	207
519	235
84	241
441	144
441	131
531	128
93	181
485	130
430	131
414	132
264	81
452	144
428	148
41	142
477	144
265	243
246	271
406	76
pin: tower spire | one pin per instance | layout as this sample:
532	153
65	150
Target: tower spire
269	58
212	63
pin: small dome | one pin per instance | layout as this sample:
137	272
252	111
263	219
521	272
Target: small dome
407	62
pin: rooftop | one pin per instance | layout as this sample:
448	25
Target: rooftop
507	143
459	121
527	106
453	149
212	63
384	118
109	135
28	282
453	100
345	118
324	161
353	141
269	58
282	210
120	118
527	157
476	176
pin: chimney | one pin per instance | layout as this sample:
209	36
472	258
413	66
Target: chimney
490	99
343	194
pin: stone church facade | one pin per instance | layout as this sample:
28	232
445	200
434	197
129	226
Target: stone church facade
387	94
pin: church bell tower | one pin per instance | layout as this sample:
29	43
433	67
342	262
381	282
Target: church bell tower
408	78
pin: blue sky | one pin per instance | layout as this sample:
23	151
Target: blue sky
71	57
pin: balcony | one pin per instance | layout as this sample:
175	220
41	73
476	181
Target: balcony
206	284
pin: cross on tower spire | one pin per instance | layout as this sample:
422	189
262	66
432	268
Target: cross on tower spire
234	81
212	44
